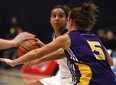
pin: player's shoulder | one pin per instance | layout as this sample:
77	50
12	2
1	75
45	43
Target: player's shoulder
63	37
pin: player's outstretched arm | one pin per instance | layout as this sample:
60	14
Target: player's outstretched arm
4	44
49	48
52	56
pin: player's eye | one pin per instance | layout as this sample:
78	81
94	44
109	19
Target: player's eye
53	16
61	16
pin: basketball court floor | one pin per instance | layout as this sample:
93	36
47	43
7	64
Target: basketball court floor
15	77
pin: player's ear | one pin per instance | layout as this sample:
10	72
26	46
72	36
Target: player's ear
71	22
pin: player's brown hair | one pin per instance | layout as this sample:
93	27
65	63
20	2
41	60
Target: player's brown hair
84	16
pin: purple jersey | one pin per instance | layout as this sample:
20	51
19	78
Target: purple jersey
87	60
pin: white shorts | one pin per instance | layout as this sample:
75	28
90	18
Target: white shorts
56	80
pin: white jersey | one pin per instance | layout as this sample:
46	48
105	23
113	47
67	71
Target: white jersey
63	68
63	77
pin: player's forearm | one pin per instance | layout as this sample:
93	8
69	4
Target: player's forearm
53	56
4	44
30	56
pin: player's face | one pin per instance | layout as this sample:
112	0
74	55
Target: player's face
58	19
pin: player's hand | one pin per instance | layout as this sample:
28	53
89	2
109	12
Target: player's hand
8	61
20	38
41	44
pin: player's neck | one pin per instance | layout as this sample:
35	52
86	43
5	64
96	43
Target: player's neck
57	34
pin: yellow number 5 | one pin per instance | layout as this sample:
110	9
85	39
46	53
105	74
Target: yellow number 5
95	46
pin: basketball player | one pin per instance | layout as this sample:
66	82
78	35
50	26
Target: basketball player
87	57
58	20
5	44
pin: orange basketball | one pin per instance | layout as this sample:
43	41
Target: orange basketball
27	46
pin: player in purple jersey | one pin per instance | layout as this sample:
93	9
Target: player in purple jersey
88	60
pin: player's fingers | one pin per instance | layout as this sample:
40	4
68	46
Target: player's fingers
8	61
1	59
29	64
40	43
26	65
28	38
26	34
29	35
5	60
38	40
35	39
37	45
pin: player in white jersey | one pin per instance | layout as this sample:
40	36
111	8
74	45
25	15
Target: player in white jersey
58	21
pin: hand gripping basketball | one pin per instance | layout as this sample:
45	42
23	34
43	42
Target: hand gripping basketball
27	46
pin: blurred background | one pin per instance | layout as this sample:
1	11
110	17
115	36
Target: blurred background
33	16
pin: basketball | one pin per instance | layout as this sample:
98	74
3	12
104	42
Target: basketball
27	46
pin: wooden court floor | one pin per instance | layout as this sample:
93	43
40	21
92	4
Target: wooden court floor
14	77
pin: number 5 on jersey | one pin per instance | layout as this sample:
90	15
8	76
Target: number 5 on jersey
96	46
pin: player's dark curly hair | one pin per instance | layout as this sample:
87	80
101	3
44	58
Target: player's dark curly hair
84	16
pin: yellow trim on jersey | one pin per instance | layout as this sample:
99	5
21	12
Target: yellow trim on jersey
86	74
